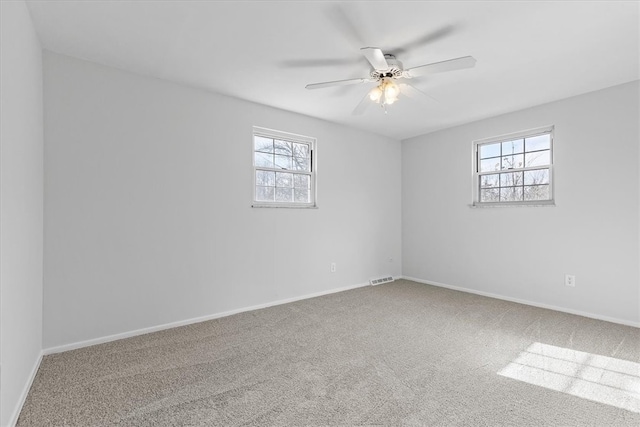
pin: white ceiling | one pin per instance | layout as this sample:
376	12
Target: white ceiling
528	53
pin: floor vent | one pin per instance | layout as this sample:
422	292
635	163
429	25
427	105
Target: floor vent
381	280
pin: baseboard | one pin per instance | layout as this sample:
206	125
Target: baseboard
526	302
25	391
101	340
109	338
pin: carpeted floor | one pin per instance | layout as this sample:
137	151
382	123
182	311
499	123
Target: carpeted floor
396	354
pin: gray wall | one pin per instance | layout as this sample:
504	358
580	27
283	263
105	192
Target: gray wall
524	252
21	206
148	188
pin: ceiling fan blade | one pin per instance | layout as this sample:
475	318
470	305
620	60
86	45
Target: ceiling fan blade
301	63
375	58
362	105
424	39
336	83
344	24
439	67
413	92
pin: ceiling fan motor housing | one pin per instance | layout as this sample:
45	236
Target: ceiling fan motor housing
394	71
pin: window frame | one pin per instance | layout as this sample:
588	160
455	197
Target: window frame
312	173
506	138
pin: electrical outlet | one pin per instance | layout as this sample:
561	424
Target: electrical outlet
570	280
333	267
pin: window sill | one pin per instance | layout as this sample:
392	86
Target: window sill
549	203
285	206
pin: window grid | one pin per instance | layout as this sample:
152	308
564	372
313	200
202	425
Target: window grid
514	170
284	173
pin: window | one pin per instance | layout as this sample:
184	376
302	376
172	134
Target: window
514	169
283	169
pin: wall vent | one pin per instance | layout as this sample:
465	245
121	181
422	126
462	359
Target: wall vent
381	280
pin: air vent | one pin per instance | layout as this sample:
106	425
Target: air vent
381	280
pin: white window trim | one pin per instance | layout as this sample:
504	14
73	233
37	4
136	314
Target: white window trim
501	138
286	136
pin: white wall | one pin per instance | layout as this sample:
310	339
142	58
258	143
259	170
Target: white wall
147	205
21	173
524	252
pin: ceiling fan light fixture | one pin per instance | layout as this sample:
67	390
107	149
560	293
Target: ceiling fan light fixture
375	94
386	93
391	90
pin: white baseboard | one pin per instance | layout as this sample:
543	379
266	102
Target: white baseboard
526	302
25	391
101	340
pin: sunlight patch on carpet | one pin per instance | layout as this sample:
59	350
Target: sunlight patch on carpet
602	379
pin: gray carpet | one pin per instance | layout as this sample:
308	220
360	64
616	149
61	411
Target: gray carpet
396	354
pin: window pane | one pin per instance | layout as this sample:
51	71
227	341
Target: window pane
265	194
489	150
283	147
264	160
513	147
489	180
284	179
489	165
265	178
515	170
538	176
513	162
540	142
301	181
491	195
538	158
264	145
300	164
300	150
284	194
282	162
282	169
301	195
510	179
511	194
536	192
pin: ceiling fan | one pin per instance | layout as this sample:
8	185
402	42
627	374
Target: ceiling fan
386	71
